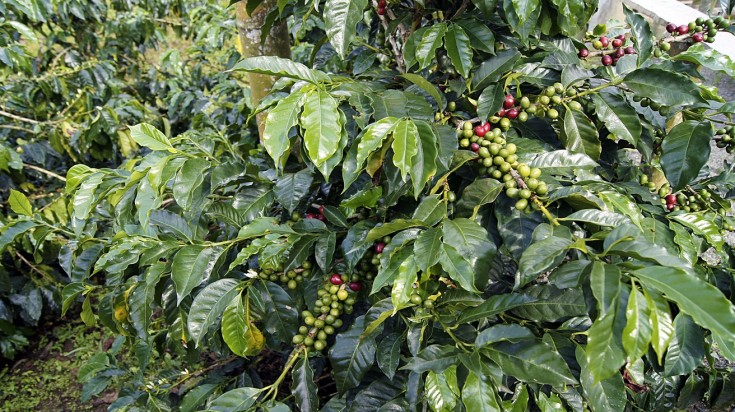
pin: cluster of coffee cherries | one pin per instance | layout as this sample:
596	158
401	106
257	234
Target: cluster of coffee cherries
612	49
646	102
695	201
333	299
417	300
382	7
700	30
498	158
726	138
371	260
290	279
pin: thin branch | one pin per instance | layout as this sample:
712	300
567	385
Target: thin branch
44	171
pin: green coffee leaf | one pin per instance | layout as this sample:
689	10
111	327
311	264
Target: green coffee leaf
684	152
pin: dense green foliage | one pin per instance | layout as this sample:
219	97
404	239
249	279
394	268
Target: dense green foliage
73	76
383	246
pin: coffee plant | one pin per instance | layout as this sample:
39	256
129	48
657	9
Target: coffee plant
450	206
73	76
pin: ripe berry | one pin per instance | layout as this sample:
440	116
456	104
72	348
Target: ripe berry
619	53
487	126
617	43
671	27
311	216
630	50
698	37
382	3
356	286
670	198
512	113
607	60
501	113
670	206
509	102
621	37
583	53
379	247
336	279
605	41
475	147
381	11
683	29
480	131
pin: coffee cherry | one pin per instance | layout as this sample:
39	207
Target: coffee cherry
379	247
475	147
521	204
553	113
513	113
597	44
670	198
416	299
535	172
509	101
583	53
617	43
336	279
356	286
630	50
683	29
698	37
451	106
607	60
320	345
479	131
605	41
671	27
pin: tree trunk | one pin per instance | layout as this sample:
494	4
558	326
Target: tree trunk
277	43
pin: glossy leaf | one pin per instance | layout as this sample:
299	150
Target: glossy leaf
638	329
321	123
278	66
495	305
579	134
146	135
684	152
457	43
540	257
702	301
235	400
191	266
291	188
19	203
405	142
340	18
281	317
642	34
664	87
441	389
278	123
351	356
430	41
209	305
619	117
530	361
303	386
606	395
686	349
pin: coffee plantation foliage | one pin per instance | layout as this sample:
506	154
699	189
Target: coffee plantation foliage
453	206
73	75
